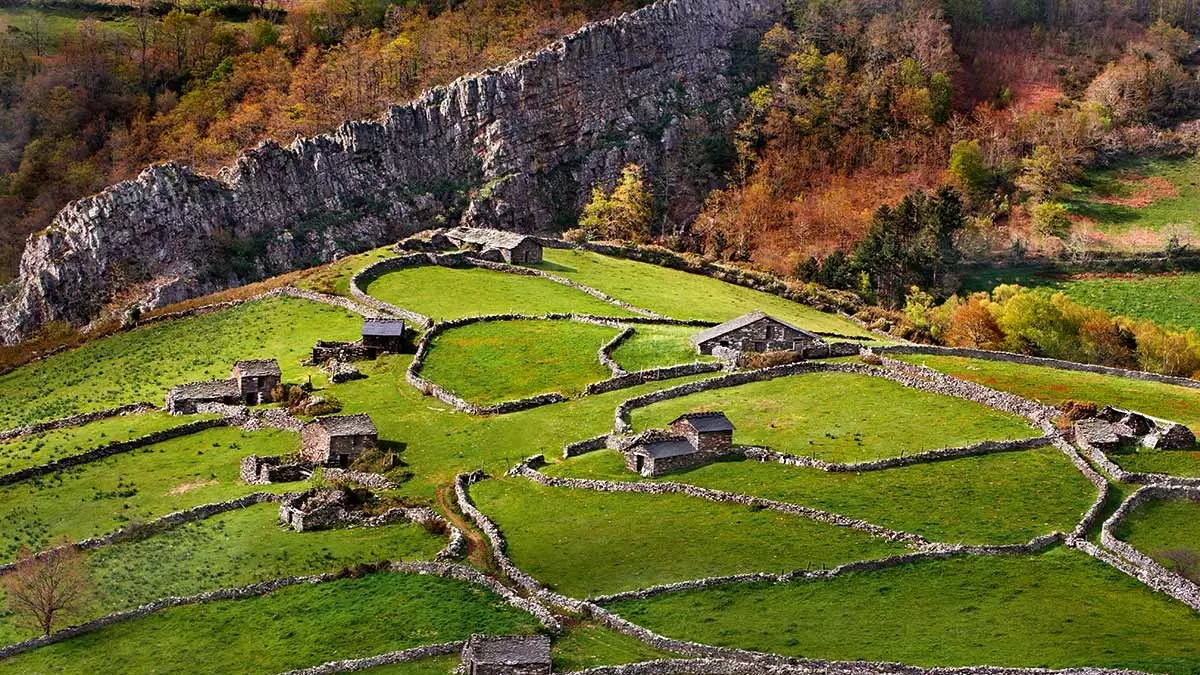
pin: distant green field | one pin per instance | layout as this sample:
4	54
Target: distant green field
589	543
682	295
450	293
1059	609
36	449
1171	462
55	24
502	360
140	365
1053	386
1148	193
350	618
839	417
1158	526
657	346
1002	498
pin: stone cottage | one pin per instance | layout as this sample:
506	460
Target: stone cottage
256	378
515	655
755	332
656	452
511	247
381	335
710	432
338	440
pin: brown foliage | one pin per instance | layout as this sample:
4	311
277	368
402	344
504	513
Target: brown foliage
46	588
972	325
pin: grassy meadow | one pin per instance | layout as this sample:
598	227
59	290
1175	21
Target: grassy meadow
1144	194
1159	526
653	346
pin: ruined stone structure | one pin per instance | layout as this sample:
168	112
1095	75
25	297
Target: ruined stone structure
754	332
383	335
250	384
257	470
517	655
497	245
256	378
710	432
327	350
1113	428
338	440
650	87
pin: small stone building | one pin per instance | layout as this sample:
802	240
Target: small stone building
182	399
383	335
517	655
710	432
511	247
256	378
755	332
657	452
338	440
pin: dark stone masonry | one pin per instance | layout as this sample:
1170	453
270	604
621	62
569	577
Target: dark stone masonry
755	332
250	383
517	655
338	440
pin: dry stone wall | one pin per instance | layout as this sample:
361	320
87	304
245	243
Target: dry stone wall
76	420
1159	577
981	448
732	666
402	656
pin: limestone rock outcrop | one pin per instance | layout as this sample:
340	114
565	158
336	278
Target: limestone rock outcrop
517	147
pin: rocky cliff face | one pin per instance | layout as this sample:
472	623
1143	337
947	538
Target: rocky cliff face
518	148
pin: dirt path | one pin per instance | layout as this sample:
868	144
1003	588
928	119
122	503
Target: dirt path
477	547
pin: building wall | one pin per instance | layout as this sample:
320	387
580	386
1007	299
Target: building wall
492	669
763	335
315	444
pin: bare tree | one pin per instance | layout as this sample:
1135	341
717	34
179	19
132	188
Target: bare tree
1183	561
46	587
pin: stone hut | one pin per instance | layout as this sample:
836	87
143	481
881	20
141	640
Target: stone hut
182	399
755	332
338	440
256	378
511	247
381	335
710	432
517	655
655	452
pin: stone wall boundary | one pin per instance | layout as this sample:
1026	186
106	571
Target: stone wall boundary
762	454
1161	579
113	448
1118	473
76	420
731	666
585	446
1092	515
283	291
605	353
402	656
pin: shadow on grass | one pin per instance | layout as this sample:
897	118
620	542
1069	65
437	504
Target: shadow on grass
547	266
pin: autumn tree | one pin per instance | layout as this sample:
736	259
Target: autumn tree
972	325
45	588
625	213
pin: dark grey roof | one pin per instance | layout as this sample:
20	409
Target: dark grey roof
383	327
706	422
347	425
669	446
741	322
208	390
486	237
518	650
258	367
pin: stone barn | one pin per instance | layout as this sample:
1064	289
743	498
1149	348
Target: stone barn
256	378
517	655
755	332
511	247
338	440
182	399
383	335
655	452
710	432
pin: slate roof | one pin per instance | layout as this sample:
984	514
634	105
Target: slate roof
665	446
486	237
383	327
208	390
347	425
706	422
258	367
532	649
741	322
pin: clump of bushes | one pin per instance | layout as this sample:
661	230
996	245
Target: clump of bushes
1071	411
770	359
1183	561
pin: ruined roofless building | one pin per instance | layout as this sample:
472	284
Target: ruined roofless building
383	335
520	655
513	248
754	332
338	440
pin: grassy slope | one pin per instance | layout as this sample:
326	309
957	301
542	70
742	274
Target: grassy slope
235	549
589	543
503	360
141	365
36	449
350	618
1160	525
587	645
1053	386
842	418
1115	182
683	295
1057	609
441	665
658	346
446	293
103	496
1171	462
991	499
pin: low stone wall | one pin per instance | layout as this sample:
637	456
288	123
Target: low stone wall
76	420
585	446
1038	361
1155	575
257	470
376	270
289	291
114	448
633	379
982	448
732	666
1115	470
402	656
363	478
1092	515
605	354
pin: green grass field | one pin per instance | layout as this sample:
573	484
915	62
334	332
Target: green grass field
1148	193
56	24
1158	526
587	645
654	346
291	628
103	496
1002	498
503	360
1171	462
442	665
141	365
1053	386
234	549
1058	609
827	416
683	295
446	293
47	446
591	543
